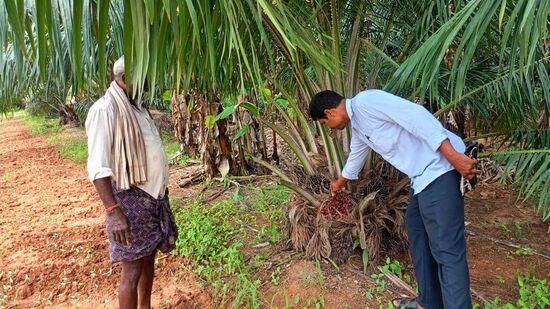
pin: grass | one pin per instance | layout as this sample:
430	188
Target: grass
217	245
211	242
41	125
70	145
533	293
76	151
172	148
171	145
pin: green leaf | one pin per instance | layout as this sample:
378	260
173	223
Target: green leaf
228	111
365	258
282	102
167	96
266	91
209	121
16	15
41	33
103	21
128	38
251	108
242	131
78	6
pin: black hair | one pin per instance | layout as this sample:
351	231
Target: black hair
322	101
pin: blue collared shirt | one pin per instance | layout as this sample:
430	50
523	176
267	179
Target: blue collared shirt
405	134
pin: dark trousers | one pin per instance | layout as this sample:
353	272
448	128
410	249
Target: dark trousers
435	225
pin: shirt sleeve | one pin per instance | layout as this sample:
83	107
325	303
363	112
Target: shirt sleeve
100	139
359	151
412	117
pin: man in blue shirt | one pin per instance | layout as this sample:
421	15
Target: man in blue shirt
410	138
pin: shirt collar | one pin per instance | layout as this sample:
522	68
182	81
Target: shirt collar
349	110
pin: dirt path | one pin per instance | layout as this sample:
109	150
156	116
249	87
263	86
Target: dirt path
53	247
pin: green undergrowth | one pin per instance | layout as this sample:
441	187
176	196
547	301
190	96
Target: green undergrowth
533	293
172	148
76	150
41	125
70	142
216	237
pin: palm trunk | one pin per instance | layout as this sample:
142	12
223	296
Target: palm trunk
224	143
68	116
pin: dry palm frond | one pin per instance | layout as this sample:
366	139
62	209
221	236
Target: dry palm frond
377	220
301	222
490	171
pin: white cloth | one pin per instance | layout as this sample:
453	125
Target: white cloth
100	130
130	158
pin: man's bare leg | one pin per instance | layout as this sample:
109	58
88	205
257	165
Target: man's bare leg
146	281
129	279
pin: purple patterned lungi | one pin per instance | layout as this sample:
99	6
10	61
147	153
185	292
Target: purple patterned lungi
152	225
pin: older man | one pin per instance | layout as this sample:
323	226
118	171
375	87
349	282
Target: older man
129	169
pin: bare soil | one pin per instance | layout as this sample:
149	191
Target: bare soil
54	251
53	247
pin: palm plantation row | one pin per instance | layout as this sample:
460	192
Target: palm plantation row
241	73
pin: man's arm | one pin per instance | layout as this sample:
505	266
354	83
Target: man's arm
465	165
117	223
356	160
418	121
99	131
412	117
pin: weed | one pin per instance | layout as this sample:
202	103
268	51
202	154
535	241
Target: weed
317	303
76	151
270	233
41	125
270	197
500	279
208	238
275	276
369	294
505	228
533	293
521	252
391	266
395	267
315	277
518	230
247	294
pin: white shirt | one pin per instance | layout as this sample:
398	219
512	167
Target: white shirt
405	134
100	131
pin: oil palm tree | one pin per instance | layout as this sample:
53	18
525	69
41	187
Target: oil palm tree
485	61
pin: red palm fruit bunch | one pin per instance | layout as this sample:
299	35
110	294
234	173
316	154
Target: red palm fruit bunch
337	206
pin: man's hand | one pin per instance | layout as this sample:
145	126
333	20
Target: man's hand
465	165
337	185
119	227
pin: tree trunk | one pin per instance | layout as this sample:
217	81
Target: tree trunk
186	124
226	151
67	115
